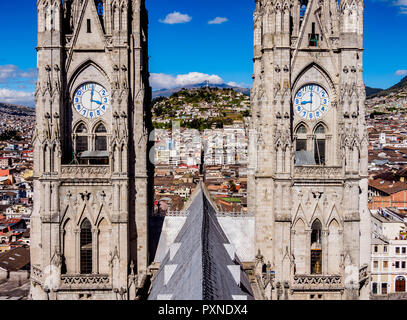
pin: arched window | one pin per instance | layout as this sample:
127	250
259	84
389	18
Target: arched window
101	138
86	247
303	8
100	11
316	247
301	141
99	7
319	144
82	139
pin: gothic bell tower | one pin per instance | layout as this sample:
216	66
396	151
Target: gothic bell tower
308	159
91	174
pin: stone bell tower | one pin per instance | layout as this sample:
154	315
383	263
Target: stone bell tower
308	159
89	225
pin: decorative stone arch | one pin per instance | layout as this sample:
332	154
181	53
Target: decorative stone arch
300	215
78	123
97	124
317	214
103	214
321	123
302	123
79	70
297	82
334	216
85	214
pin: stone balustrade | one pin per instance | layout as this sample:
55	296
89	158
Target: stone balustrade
86	282
85	171
317	282
318	172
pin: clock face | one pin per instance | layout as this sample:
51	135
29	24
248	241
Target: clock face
91	100
311	102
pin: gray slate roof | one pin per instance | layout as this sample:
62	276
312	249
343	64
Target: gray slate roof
201	264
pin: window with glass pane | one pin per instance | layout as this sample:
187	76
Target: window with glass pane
374	288
101	129
101	143
384	288
86	247
316	248
81	129
319	151
301	145
81	143
301	129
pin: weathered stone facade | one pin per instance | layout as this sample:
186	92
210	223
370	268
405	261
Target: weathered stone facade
89	225
312	220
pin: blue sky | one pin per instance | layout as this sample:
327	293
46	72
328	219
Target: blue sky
185	47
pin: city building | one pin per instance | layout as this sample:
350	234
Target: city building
389	255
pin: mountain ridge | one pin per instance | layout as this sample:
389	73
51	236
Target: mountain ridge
168	92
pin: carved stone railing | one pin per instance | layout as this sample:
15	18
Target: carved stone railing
86	282
318	172
183	213
85	171
36	274
317	282
170	213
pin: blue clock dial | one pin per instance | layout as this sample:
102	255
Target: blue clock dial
311	102
91	100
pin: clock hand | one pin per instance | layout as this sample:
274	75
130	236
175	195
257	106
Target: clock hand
306	102
91	95
98	102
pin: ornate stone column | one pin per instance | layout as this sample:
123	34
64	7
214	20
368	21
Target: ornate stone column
324	242
95	249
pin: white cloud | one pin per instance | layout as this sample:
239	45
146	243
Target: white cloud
17	97
176	17
12	72
218	20
166	81
401	72
402	4
240	85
